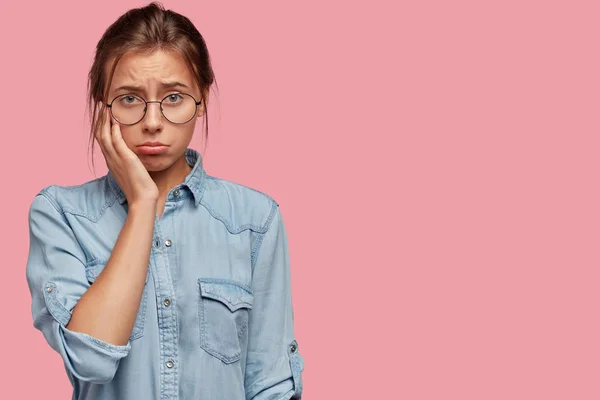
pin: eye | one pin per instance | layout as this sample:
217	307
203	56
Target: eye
128	99
173	98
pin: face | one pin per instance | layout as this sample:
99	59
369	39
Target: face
149	73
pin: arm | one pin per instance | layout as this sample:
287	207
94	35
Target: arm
274	365
108	309
88	325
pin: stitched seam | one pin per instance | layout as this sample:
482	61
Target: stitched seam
62	210
255	248
221	218
227	281
56	206
203	326
201	330
232	304
53	202
107	204
220	181
120	350
55	307
255	253
215	214
201	184
139	326
288	395
295	367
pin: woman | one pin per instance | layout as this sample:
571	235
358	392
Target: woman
157	280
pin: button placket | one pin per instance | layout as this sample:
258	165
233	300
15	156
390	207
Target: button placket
165	293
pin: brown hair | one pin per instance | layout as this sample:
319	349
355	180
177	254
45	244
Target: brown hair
146	30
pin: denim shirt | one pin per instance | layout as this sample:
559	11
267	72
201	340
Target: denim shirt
215	320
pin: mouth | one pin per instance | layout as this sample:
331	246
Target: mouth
152	148
152	144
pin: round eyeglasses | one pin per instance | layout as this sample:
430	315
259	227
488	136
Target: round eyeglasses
177	108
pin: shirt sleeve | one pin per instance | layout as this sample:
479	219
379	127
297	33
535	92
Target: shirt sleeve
273	364
56	277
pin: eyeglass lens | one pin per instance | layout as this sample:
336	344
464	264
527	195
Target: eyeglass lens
177	108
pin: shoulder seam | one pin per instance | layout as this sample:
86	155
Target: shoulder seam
68	210
241	228
220	181
51	200
259	240
106	205
238	229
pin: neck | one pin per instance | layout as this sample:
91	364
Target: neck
167	179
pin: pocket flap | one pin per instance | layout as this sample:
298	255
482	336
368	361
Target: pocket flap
233	294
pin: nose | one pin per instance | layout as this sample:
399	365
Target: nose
153	120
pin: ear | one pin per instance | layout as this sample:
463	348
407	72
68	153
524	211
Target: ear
202	106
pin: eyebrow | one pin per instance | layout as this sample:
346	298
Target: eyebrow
164	85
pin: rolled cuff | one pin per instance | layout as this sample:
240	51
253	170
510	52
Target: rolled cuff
89	358
86	357
284	381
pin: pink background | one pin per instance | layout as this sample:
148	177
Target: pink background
436	164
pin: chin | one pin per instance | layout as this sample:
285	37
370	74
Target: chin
156	163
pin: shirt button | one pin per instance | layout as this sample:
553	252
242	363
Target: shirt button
167	302
170	364
49	289
168	242
176	192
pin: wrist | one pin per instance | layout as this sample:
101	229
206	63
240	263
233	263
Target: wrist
144	206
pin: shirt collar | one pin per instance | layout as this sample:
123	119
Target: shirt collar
194	180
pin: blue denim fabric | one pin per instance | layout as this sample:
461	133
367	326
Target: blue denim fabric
215	320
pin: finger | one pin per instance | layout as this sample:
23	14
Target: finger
100	114
106	137
101	118
118	143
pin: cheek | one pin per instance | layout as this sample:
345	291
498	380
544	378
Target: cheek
127	137
186	133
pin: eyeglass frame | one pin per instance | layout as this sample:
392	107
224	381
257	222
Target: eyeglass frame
146	102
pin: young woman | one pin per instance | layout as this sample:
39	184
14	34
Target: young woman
157	280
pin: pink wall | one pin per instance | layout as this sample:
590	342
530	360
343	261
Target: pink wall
436	164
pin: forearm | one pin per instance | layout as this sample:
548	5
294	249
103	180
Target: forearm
108	309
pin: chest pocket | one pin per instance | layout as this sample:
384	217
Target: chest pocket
223	311
93	272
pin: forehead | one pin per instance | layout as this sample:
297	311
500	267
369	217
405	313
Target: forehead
148	70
